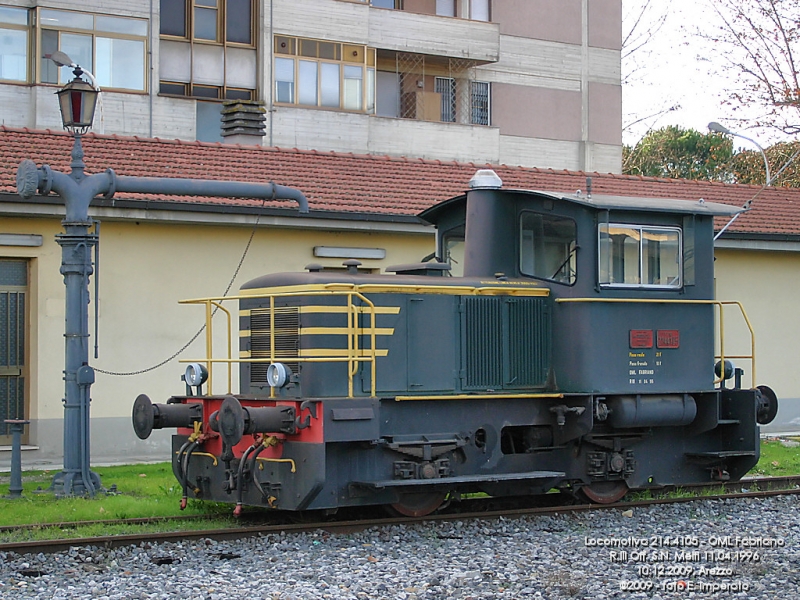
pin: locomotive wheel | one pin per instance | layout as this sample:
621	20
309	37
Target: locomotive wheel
417	504
605	492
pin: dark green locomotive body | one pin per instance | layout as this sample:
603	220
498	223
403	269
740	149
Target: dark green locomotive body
555	342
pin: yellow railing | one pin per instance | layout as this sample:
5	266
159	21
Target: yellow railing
721	315
353	354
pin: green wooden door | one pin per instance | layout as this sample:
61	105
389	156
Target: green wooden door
13	340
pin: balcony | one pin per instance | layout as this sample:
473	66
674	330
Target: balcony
402	31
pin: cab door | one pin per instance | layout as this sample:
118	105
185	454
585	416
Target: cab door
13	340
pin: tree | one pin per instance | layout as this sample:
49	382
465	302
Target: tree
675	152
747	166
759	40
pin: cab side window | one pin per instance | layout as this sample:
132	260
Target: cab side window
453	250
640	256
548	245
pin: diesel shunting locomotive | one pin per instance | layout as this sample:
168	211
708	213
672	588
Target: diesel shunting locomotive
567	341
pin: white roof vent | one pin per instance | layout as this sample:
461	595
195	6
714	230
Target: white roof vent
485	179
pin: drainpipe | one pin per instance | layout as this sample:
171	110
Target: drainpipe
150	71
271	43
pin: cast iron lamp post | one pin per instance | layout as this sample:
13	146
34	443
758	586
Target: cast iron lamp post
77	100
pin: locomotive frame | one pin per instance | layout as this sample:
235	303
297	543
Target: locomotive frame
576	351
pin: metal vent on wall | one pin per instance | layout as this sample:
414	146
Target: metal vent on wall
287	339
506	342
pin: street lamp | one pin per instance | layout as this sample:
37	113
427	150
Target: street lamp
77	100
717	128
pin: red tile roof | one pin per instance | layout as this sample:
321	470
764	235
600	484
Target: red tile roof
365	184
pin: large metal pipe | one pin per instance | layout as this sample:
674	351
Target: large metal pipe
207	187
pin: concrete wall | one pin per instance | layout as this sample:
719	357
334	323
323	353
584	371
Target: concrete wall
436	36
325	20
605	23
552	20
537	112
146	268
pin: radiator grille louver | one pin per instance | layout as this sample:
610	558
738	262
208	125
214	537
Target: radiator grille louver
506	342
484	342
287	339
529	342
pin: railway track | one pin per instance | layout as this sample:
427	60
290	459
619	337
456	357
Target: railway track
470	509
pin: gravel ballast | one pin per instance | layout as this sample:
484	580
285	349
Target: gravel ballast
701	549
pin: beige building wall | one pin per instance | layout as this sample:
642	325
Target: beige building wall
146	268
767	283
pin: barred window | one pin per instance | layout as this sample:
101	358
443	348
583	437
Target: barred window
446	87
479	100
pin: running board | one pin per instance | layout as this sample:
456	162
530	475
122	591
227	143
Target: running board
723	454
495	478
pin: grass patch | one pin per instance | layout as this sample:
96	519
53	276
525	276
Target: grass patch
777	459
142	491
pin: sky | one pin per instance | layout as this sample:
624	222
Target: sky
678	69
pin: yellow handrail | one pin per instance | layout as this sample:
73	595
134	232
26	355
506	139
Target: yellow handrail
209	302
353	353
720	304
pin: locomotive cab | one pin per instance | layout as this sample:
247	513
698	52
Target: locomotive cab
558	341
627	276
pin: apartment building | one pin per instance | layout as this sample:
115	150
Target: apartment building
519	82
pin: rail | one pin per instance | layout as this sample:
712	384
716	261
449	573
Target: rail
353	354
719	304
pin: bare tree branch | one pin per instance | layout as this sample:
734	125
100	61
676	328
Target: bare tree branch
759	41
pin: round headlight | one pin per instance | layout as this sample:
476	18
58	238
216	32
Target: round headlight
278	375
196	374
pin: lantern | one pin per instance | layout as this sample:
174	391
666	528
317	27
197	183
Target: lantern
77	101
